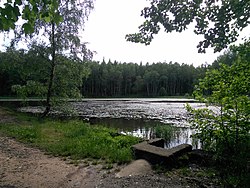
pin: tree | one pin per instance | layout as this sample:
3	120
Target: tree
226	131
30	11
138	85
151	79
127	79
227	58
65	35
58	30
10	69
219	21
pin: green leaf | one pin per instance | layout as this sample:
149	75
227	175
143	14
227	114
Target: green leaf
16	12
28	28
58	18
18	2
26	13
47	19
8	11
7	24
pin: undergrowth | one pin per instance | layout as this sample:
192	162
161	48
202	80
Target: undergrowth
71	138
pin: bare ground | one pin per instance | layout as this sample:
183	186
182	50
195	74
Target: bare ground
22	166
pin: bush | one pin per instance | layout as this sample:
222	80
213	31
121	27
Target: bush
226	132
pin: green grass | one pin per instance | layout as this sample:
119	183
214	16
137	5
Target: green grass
71	138
164	131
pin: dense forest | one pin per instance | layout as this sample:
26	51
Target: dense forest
115	79
95	79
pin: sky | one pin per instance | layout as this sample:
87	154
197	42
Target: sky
111	20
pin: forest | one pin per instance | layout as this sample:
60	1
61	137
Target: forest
115	79
26	72
100	79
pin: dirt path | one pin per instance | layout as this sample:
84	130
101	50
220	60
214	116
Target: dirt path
22	166
25	167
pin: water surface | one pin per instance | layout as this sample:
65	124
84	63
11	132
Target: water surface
138	117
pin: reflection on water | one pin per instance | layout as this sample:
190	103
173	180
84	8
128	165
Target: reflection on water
135	127
165	112
136	116
146	129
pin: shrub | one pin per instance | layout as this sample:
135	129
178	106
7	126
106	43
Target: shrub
226	132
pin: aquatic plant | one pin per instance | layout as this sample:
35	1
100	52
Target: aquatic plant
164	131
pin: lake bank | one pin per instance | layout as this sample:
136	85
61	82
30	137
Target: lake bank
136	116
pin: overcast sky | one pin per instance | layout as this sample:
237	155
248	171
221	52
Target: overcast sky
111	20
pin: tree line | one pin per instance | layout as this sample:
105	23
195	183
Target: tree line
26	73
116	79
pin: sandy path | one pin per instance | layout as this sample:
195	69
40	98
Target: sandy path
22	166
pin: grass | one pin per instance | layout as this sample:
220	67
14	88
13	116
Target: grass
165	131
71	138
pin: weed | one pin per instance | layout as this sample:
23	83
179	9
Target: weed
164	131
72	138
107	166
185	171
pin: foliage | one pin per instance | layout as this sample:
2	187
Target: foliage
94	79
30	12
116	79
19	67
162	92
218	21
27	73
69	77
164	131
56	30
226	130
11	11
72	138
32	88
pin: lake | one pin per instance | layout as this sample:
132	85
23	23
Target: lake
138	117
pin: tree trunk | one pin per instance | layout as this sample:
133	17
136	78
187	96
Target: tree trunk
52	73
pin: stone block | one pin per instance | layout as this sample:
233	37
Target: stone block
158	142
159	155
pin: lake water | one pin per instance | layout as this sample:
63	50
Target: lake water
138	117
146	129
